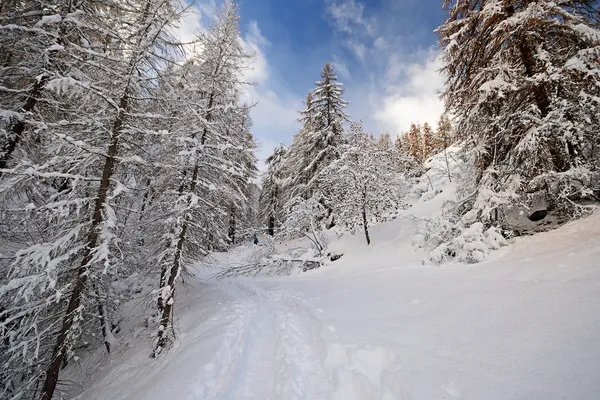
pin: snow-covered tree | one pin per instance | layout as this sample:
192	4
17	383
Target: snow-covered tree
523	83
305	219
271	196
215	160
365	185
63	190
319	140
444	134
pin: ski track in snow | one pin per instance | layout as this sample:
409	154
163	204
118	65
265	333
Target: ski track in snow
275	347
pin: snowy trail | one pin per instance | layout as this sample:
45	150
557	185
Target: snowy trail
276	348
379	325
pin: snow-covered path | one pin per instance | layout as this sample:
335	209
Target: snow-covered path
276	347
377	324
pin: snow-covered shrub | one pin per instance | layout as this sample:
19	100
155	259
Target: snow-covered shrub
472	245
304	220
449	237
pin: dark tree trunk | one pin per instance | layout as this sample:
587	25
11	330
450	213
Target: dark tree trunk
271	226
232	226
58	355
16	129
364	219
102	317
168	304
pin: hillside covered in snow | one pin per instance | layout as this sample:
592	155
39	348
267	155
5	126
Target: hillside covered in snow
378	323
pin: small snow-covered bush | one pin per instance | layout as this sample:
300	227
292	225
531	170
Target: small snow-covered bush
472	245
449	237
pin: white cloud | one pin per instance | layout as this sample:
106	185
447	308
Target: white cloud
412	95
255	43
348	16
274	113
341	67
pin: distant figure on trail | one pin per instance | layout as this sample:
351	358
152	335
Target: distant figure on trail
255	240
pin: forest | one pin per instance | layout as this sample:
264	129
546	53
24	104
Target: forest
126	154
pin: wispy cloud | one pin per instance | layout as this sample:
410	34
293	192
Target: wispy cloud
400	86
275	109
348	16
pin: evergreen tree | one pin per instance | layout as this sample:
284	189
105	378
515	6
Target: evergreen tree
318	142
523	83
271	196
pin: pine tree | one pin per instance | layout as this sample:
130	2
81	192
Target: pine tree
523	84
271	196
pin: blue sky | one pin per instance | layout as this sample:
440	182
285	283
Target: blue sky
384	51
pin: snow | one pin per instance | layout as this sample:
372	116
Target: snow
49	19
379	324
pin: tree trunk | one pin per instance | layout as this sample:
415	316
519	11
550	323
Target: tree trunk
16	129
167	302
58	355
104	327
271	226
232	227
170	284
364	219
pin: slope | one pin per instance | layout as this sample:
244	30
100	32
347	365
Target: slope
378	324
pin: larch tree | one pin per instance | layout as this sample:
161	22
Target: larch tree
414	142
429	142
523	83
64	187
216	160
444	134
271	195
319	140
365	185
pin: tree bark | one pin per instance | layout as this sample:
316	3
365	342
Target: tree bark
16	129
232	227
364	219
271	226
51	375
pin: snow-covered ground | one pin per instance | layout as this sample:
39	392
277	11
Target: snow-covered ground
378	324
